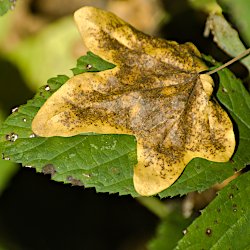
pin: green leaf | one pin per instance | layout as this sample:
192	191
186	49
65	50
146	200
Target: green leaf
7	168
169	232
236	99
5	5
224	224
106	161
239	10
101	161
199	175
91	63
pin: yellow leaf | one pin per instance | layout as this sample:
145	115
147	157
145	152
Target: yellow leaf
155	93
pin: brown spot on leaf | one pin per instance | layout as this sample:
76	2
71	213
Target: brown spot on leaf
74	182
155	93
49	169
234	187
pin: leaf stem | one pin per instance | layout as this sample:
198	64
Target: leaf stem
243	54
154	205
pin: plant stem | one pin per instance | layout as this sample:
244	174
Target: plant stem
243	54
155	206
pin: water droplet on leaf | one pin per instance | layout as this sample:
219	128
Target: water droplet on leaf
5	158
208	231
47	88
224	90
93	146
32	136
234	207
184	231
86	175
11	137
88	66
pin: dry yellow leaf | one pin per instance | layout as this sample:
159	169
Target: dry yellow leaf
155	92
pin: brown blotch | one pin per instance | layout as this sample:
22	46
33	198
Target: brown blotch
49	169
74	182
234	187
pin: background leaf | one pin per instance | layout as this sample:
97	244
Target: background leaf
8	169
205	5
43	54
91	63
5	5
106	161
225	222
170	231
239	11
226	37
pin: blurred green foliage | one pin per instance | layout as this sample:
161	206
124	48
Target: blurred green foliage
7	168
47	53
5	5
239	13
